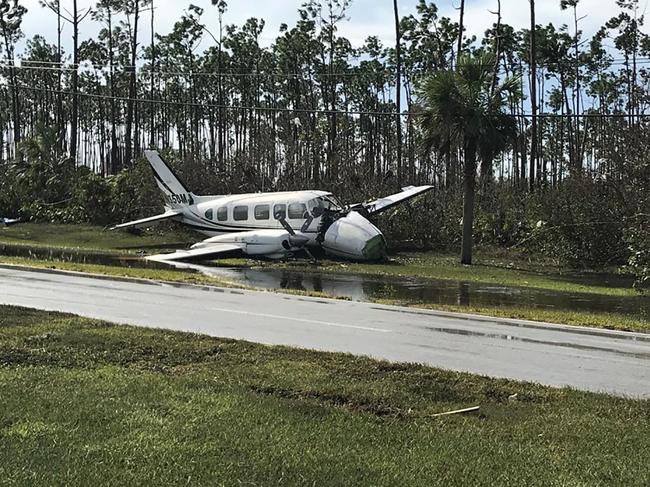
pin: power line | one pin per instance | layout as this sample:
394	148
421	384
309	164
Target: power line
71	68
191	73
639	59
208	105
316	110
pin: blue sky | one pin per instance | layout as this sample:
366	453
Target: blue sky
366	17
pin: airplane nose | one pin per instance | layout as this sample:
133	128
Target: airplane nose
354	237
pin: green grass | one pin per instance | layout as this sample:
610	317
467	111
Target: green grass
88	403
90	237
609	321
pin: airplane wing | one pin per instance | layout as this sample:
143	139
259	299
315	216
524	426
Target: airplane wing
383	204
151	220
197	253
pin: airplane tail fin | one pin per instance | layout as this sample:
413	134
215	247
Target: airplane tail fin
176	194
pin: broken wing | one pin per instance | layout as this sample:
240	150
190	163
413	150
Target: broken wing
383	204
213	250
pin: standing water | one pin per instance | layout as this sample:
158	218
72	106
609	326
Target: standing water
368	288
425	291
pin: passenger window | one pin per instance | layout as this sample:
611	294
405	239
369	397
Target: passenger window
297	211
240	213
222	214
262	212
279	211
209	214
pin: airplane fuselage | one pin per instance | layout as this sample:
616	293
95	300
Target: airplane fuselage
351	237
218	215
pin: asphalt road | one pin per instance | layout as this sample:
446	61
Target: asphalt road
593	360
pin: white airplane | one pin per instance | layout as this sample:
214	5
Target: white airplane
273	225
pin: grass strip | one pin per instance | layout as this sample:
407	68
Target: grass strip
90	237
608	321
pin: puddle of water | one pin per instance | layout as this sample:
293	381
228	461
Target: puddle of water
501	336
366	288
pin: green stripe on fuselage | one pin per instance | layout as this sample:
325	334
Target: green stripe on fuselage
375	248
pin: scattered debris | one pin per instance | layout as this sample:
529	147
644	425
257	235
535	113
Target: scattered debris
8	221
512	398
457	411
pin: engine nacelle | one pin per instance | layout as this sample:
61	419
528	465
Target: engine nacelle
354	237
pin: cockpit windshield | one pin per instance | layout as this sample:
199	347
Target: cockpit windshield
328	202
334	202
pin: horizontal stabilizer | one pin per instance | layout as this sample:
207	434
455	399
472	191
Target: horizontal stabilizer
168	215
7	222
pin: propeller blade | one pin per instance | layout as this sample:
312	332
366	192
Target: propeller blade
308	222
298	240
311	256
285	224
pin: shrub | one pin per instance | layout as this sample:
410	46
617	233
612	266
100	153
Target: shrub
502	216
133	193
91	198
581	224
639	261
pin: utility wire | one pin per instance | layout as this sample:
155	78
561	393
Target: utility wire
640	59
314	110
4	64
208	105
70	68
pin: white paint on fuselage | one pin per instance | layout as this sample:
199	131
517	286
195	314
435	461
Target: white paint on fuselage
204	215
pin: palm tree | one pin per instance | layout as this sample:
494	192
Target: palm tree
462	109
